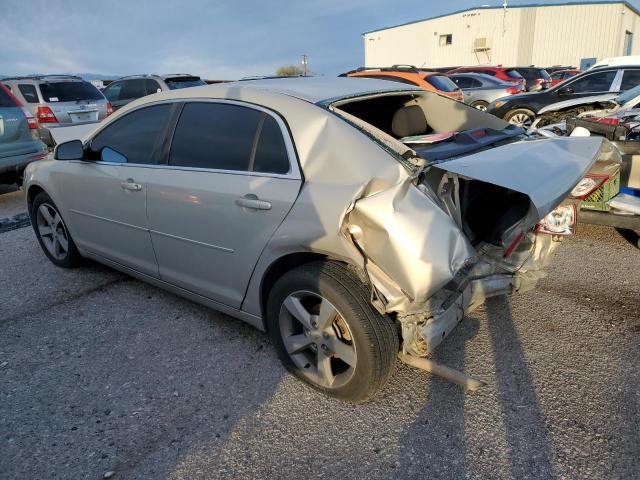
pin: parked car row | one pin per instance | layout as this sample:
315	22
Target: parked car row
33	107
522	109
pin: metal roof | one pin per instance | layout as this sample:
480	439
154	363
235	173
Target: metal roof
318	89
525	5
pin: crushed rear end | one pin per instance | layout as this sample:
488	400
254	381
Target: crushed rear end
480	215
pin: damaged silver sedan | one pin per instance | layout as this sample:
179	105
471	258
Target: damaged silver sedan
355	220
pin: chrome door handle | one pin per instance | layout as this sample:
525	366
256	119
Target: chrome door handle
251	201
131	185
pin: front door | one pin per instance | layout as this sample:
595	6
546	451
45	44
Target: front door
231	179
108	193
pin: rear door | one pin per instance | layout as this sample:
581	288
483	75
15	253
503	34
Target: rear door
107	195
74	101
231	178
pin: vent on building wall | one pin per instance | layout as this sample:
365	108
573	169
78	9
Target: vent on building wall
481	44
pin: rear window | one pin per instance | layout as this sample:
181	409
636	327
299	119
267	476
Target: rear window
443	84
513	74
28	92
5	99
69	91
184	82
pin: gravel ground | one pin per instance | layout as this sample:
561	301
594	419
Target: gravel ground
101	373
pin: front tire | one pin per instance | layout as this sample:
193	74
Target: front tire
521	117
52	232
327	333
480	105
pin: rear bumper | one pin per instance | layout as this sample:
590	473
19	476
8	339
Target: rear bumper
422	332
16	164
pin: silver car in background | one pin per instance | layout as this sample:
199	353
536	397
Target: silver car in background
325	211
480	89
130	88
59	101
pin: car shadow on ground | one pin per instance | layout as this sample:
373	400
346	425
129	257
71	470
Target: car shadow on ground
437	442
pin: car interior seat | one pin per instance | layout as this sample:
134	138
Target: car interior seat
408	121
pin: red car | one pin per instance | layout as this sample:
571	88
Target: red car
562	75
506	74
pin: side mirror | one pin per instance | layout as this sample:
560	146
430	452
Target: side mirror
565	91
71	150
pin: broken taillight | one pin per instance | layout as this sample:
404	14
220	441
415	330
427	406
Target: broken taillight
561	221
588	185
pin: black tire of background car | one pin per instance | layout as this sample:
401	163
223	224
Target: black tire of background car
480	105
375	335
73	258
520	111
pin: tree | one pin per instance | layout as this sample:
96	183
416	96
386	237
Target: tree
289	71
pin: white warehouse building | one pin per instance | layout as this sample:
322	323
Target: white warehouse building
570	34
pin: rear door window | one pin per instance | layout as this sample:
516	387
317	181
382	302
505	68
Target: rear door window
214	136
132	89
135	135
112	92
593	83
442	83
151	86
463	82
69	91
271	152
630	79
28	92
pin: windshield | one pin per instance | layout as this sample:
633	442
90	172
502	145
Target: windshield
184	82
627	96
69	91
442	83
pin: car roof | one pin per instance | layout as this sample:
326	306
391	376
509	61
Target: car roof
314	89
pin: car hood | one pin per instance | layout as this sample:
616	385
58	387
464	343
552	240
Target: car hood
521	96
543	169
574	102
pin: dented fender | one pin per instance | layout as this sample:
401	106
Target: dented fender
411	248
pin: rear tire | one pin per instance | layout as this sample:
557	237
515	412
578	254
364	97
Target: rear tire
522	117
52	233
327	333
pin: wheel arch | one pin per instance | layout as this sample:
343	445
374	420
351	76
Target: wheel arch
278	268
32	192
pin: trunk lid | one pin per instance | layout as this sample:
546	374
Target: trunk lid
544	170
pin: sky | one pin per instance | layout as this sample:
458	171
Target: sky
216	39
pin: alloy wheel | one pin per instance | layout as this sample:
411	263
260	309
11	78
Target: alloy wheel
318	339
52	231
521	119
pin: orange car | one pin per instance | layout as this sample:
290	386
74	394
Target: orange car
410	75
